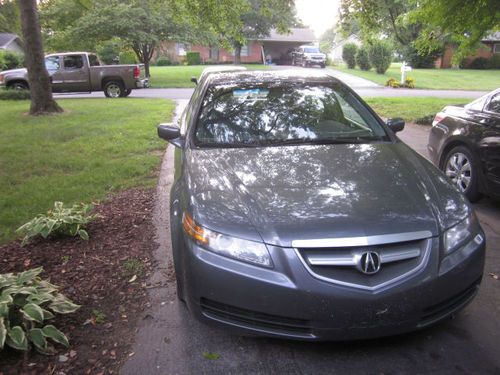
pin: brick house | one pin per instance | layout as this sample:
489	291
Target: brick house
276	45
490	46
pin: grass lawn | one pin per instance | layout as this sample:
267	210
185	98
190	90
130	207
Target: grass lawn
446	79
411	108
95	147
180	76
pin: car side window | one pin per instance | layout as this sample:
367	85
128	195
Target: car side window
52	63
72	62
494	105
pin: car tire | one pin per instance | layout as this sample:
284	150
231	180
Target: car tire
114	89
304	64
18	86
127	92
462	168
322	66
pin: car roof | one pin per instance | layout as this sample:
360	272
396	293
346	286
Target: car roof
248	77
70	53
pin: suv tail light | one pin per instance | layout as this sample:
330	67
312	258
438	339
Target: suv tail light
439	117
137	72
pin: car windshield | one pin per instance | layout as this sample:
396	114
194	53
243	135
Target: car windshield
311	50
284	114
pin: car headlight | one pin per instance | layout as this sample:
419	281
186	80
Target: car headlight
232	247
459	234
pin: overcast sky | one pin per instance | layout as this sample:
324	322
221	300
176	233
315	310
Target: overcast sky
319	15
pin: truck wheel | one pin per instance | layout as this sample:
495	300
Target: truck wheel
127	92
114	89
18	86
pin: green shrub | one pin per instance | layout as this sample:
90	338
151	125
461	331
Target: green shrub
349	55
163	61
193	58
26	303
59	221
410	82
479	63
109	52
495	61
362	59
10	60
392	82
128	57
380	54
14	94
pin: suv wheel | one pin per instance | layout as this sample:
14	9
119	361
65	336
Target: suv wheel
18	86
461	168
114	89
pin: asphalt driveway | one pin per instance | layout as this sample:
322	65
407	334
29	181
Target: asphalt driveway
169	341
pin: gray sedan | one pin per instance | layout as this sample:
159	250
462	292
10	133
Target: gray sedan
297	213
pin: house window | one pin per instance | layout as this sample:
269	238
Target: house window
245	50
496	48
214	53
180	49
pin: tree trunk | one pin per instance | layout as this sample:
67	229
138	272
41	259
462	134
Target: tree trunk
42	101
237	53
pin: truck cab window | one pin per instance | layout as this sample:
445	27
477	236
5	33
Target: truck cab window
52	63
94	61
72	62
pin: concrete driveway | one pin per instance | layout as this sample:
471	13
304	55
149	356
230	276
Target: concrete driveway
170	341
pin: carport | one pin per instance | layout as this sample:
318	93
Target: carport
278	46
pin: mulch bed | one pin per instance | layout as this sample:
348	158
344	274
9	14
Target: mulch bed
92	274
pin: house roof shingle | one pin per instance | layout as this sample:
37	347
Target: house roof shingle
6	38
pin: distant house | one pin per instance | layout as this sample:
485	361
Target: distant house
490	46
338	46
276	45
11	42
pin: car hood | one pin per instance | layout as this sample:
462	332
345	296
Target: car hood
14	71
281	194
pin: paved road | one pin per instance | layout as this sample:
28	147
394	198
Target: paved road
170	341
362	86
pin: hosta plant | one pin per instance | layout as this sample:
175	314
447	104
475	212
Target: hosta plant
27	305
59	221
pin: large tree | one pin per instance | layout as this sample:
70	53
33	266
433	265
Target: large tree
464	22
10	21
42	101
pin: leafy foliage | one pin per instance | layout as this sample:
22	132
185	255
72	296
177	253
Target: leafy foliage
127	57
14	94
362	59
349	55
392	82
163	61
59	221
193	58
10	60
26	303
109	51
380	54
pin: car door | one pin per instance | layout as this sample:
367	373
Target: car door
490	143
53	66
75	74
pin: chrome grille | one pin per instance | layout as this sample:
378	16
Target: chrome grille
339	263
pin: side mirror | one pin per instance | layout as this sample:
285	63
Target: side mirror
396	124
194	80
171	133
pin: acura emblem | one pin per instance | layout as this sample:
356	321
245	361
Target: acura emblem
369	263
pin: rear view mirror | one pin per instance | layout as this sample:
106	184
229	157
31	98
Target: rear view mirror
194	80
396	124
171	133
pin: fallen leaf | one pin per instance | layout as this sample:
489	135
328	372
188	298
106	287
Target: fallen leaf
27	263
211	356
133	279
494	275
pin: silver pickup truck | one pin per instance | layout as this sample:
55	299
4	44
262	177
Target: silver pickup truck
82	72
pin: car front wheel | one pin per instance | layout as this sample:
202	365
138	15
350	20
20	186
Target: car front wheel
461	168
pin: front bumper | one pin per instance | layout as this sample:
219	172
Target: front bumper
288	302
142	83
